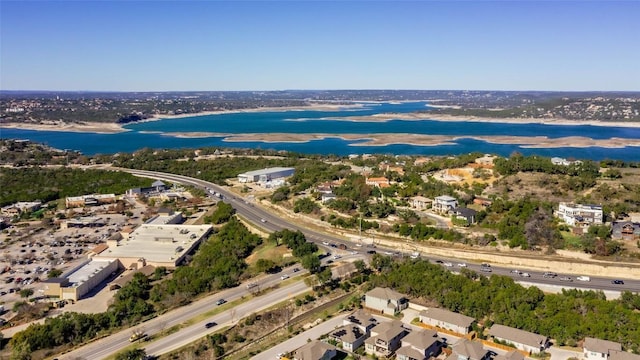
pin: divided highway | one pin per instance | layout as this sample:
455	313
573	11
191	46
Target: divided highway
271	222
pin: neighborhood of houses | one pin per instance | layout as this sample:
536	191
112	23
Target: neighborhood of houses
435	333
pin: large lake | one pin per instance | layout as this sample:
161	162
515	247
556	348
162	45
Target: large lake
154	134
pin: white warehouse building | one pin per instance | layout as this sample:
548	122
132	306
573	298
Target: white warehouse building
265	175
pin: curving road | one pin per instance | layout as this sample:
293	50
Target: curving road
271	222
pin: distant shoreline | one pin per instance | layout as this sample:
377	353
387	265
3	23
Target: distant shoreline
112	128
383	139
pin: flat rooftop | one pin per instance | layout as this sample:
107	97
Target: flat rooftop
267	171
83	273
158	242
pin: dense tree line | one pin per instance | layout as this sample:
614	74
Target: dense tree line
47	184
222	214
515	163
567	317
218	264
421	232
130	306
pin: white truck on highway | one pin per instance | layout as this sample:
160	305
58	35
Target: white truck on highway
583	278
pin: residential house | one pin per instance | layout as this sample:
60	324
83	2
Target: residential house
580	215
465	349
381	182
385	301
362	319
511	355
419	345
482	201
599	349
523	340
466	214
622	355
444	203
326	197
420	202
324	188
315	350
350	336
446	319
355	329
625	230
486	160
385	338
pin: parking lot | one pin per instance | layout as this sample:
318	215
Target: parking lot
30	250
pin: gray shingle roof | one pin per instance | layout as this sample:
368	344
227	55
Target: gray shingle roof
600	346
517	336
385	293
448	316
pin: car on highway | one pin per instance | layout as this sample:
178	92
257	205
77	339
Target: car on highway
263	220
525	274
326	243
296	269
485	269
617	282
336	257
284	277
515	271
210	324
549	275
221	301
371	252
448	264
566	278
462	265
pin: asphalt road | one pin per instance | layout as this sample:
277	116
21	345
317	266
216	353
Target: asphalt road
271	222
112	344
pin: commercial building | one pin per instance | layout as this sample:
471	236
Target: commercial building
20	207
265	175
89	200
76	283
156	244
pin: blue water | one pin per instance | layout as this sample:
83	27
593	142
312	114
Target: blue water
149	134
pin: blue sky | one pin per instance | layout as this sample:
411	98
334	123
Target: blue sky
269	45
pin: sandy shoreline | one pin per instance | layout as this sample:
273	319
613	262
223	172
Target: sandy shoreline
111	128
418	139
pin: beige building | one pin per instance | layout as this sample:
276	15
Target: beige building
81	280
156	244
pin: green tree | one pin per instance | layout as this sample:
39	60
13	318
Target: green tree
311	262
25	293
132	354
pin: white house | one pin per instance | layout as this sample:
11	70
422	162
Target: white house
444	203
599	349
578	214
